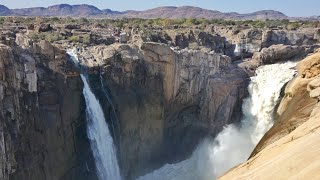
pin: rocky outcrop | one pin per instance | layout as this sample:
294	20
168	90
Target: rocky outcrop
241	42
251	40
294	136
280	52
166	100
42	120
160	100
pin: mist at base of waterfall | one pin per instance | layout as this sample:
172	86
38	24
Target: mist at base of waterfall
234	144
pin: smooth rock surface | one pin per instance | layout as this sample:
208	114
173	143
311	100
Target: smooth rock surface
292	144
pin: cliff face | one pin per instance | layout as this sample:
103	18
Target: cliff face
238	42
42	124
292	144
160	102
166	101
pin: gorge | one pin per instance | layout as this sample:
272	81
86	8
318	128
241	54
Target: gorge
234	144
172	102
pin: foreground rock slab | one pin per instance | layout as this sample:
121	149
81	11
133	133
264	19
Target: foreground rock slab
290	150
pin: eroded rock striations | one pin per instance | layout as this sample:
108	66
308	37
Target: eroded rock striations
166	100
42	120
292	144
162	92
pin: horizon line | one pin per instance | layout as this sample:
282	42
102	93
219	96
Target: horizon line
101	9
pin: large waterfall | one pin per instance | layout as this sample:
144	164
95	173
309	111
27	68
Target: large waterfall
101	141
235	143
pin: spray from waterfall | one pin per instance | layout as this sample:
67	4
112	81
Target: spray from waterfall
101	141
235	143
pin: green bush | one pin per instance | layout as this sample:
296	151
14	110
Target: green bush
52	37
2	19
49	36
86	39
74	39
84	20
34	36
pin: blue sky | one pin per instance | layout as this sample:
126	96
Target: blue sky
289	7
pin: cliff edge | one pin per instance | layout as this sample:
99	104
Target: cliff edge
291	147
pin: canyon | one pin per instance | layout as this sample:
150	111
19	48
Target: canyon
158	96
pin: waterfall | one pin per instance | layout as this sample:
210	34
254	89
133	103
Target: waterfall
235	143
237	49
101	141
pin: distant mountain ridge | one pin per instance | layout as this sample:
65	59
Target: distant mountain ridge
84	10
4	11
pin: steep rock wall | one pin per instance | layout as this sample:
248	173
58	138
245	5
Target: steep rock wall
42	124
292	144
166	101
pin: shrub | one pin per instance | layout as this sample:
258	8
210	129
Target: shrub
86	39
34	36
51	37
2	19
84	20
74	39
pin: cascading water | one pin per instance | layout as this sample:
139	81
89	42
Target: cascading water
101	141
235	143
99	135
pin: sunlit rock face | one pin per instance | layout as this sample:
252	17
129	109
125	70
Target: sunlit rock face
166	100
234	143
294	137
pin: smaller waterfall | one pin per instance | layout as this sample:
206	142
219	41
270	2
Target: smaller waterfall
234	144
101	141
237	49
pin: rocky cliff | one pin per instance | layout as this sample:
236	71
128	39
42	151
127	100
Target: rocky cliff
160	99
166	101
42	124
290	148
241	42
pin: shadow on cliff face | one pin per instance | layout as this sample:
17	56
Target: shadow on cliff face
166	102
42	117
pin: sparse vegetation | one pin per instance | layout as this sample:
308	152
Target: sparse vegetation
285	23
49	36
86	39
74	39
2	19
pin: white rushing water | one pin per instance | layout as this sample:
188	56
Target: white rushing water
234	144
237	50
101	141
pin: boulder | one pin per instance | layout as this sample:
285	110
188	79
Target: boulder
47	48
72	26
314	84
314	88
23	41
44	28
277	53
